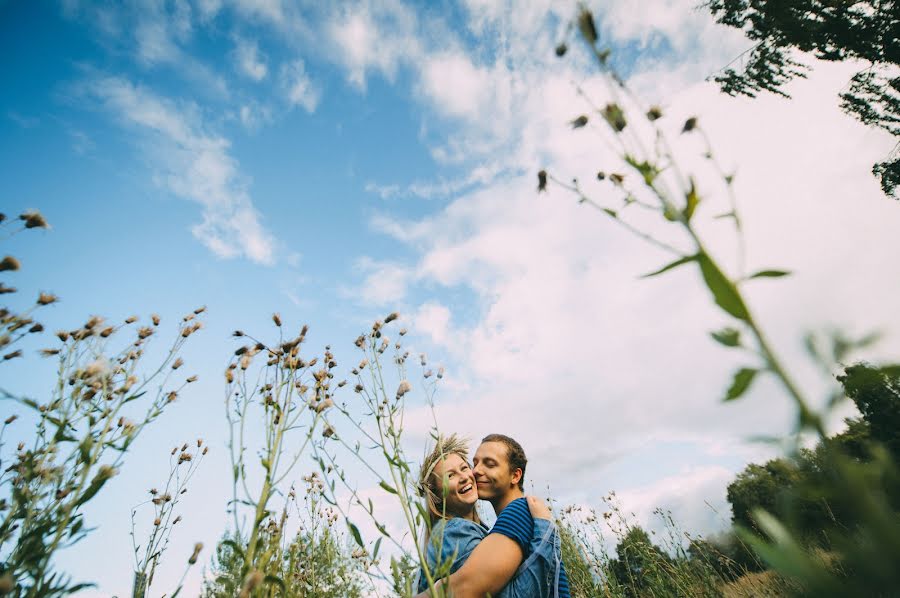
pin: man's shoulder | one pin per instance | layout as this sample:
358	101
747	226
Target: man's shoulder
515	521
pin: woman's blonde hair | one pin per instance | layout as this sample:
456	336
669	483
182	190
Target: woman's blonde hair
430	483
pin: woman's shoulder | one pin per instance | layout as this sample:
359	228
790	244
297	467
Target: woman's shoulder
458	526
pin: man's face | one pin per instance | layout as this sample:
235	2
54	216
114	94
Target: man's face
491	468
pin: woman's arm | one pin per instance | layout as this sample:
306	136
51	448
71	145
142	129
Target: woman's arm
490	567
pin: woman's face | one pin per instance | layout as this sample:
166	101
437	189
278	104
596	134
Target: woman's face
461	492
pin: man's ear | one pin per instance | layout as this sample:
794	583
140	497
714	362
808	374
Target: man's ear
516	476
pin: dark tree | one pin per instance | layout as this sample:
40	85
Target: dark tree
876	393
833	30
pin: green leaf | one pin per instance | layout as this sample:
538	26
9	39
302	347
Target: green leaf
685	260
692	201
769	274
375	549
742	380
387	487
723	290
611	213
647	170
357	537
730	337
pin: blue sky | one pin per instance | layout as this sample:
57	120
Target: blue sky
336	162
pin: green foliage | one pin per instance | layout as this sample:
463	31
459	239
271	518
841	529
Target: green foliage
862	30
316	562
876	393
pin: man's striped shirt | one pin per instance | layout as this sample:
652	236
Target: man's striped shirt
516	522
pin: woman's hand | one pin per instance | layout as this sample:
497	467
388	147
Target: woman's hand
538	508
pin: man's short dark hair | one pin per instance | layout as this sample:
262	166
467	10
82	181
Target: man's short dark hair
514	453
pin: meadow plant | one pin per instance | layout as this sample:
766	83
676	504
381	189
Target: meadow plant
102	398
161	521
655	183
272	391
315	562
378	420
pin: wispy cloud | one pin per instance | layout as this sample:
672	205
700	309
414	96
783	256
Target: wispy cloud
249	60
193	163
299	89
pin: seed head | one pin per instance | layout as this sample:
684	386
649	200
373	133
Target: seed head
62	335
200	310
655	113
34	219
170	398
197	548
131	319
579	122
391	317
176	520
7	583
404	388
144	332
156	522
237	333
9	263
229	376
277	319
5	289
177	363
106	332
561	50
328	432
689	125
11	419
587	27
358	388
37	327
192	379
46	298
155	319
251	582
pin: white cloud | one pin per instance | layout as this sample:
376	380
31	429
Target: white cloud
299	88
595	363
373	36
254	115
385	282
194	164
249	60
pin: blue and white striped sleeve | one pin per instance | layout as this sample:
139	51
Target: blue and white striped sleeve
516	522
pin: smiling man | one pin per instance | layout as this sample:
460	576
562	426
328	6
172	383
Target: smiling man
522	549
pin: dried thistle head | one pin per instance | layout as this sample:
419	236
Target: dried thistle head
403	388
177	363
155	319
46	298
33	219
9	263
277	319
197	548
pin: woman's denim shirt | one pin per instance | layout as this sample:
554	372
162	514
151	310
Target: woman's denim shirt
453	540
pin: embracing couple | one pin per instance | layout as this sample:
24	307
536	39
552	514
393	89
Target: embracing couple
517	558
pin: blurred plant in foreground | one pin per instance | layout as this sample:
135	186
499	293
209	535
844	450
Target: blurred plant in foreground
101	401
862	554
